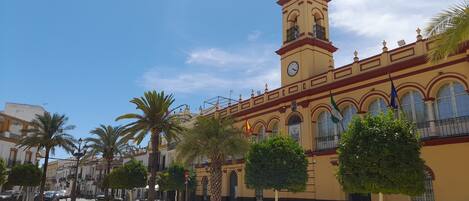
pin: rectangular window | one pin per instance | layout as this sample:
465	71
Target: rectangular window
12	157
28	157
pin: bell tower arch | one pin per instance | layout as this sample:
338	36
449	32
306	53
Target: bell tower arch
306	49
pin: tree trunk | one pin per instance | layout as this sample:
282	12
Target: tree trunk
154	167
216	178
276	195
381	197
106	187
43	179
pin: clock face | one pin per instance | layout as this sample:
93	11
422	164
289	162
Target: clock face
293	68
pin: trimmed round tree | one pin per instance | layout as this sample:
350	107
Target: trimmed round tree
26	175
381	154
278	163
173	179
132	174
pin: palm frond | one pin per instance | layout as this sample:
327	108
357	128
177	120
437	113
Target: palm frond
213	138
450	30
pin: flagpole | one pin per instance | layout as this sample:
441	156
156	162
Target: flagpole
398	101
399	108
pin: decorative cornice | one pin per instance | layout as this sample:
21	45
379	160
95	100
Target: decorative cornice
307	41
347	81
283	2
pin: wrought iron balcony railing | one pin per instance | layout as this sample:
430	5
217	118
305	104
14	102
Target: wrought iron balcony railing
319	32
293	33
452	127
458	126
327	142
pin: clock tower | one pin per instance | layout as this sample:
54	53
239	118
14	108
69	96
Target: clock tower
306	50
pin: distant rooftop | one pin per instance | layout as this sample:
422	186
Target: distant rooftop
22	111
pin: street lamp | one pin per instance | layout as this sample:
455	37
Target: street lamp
77	154
186	182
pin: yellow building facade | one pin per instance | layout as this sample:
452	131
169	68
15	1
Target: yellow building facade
434	95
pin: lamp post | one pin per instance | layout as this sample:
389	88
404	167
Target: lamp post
77	154
186	182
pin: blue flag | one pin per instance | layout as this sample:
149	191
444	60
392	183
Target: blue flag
394	101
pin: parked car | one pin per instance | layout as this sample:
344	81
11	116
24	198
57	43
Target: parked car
8	195
100	197
63	194
51	196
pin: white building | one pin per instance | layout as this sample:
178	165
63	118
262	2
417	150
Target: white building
13	121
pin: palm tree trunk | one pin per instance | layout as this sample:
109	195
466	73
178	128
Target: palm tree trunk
106	187
43	179
155	161
216	178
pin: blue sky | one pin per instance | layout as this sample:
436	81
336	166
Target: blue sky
88	58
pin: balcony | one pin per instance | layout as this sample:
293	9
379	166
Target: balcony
293	33
451	127
319	32
327	142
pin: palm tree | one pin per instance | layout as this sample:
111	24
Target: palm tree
109	142
451	28
215	139
156	119
48	132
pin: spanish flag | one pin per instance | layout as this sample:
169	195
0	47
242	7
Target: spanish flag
247	127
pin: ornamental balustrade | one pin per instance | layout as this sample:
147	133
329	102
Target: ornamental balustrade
407	56
451	127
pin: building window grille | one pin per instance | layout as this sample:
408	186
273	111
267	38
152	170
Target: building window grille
205	189
293	33
294	127
428	195
259	194
319	32
327	132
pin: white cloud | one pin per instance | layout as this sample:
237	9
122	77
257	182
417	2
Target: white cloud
247	57
242	69
369	22
383	18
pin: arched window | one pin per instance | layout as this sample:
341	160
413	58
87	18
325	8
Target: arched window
319	30
274	128
259	133
452	101
377	106
205	189
413	106
428	194
347	114
294	127
293	32
326	137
